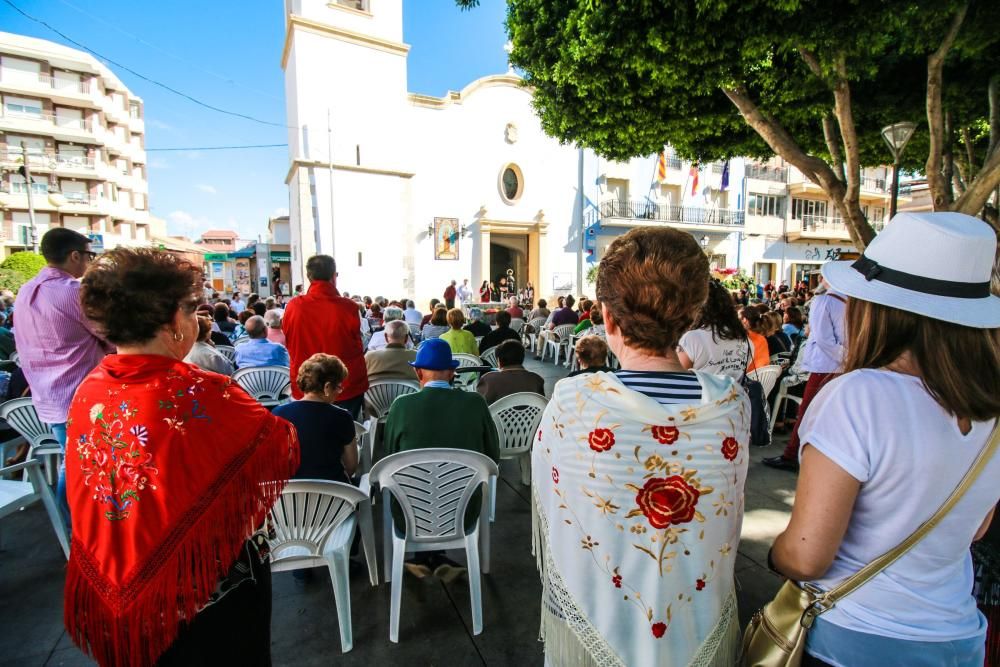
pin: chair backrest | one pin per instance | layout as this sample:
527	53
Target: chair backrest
517	324
563	332
414	331
381	394
479	339
270	385
767	376
15	357
228	351
596	330
365	435
489	357
517	417
466	360
537	323
241	340
307	513
21	415
433	488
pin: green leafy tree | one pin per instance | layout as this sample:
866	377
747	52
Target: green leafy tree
813	81
11	280
28	264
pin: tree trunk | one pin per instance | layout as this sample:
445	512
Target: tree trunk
938	184
978	191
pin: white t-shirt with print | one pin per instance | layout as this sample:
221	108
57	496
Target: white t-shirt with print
711	354
886	431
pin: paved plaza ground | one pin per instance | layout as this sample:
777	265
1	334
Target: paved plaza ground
436	626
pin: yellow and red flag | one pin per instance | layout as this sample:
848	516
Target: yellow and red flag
694	179
661	168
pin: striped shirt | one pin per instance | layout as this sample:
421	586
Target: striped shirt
663	387
57	346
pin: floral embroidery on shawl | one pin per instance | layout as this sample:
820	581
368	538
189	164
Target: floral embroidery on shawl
669	496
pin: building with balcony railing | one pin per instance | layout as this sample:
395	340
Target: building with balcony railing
81	133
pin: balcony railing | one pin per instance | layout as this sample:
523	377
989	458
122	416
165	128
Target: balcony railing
48	81
641	209
47	160
764	173
821	223
877	184
79	198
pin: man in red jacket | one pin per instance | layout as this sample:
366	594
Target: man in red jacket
323	321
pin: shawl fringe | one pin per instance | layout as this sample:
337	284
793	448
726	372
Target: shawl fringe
135	624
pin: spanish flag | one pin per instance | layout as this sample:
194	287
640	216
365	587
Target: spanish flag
661	168
694	179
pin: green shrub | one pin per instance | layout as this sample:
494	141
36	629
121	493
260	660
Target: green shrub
26	263
12	280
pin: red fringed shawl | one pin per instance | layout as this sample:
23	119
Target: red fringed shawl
169	470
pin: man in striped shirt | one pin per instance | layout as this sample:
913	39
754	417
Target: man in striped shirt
57	345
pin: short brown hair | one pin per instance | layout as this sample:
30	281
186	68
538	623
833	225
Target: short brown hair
959	364
653	281
319	369
456	318
204	328
154	285
592	351
439	317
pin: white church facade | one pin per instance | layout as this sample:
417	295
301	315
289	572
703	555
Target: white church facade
409	192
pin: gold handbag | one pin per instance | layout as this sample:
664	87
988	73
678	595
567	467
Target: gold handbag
776	635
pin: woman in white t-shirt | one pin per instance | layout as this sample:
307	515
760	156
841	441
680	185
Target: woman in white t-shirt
889	441
718	342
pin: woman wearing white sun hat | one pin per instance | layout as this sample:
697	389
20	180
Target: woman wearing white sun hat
887	443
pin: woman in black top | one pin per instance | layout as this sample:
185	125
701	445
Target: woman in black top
327	442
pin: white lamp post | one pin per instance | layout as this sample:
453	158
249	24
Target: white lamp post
897	135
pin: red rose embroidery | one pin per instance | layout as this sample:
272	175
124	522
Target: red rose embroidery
617	580
601	439
666	435
730	448
658	629
555	475
667	501
700	584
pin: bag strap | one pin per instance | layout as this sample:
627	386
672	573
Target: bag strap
860	577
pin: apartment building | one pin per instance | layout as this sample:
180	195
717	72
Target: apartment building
82	133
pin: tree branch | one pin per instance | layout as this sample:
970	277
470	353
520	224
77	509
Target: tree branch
831	145
970	155
855	218
812	61
937	183
978	191
812	167
993	92
948	159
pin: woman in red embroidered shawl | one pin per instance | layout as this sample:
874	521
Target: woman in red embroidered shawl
170	469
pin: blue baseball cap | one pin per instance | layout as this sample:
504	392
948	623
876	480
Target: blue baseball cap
434	355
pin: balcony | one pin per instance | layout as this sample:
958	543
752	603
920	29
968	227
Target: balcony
57	90
636	212
762	172
817	228
42	123
69	165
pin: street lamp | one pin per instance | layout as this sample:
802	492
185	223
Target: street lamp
704	243
897	135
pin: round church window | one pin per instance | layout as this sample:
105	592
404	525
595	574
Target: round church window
511	183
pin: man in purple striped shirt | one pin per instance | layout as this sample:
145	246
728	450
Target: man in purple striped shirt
57	345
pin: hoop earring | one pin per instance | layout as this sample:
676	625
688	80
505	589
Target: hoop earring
178	337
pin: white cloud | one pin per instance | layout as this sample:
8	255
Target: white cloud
206	188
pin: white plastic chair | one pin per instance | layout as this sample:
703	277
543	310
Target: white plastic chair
557	341
516	417
489	357
517	324
783	395
15	357
466	381
767	376
365	434
42	444
314	523
270	385
528	338
241	340
414	332
228	351
381	394
433	488
17	494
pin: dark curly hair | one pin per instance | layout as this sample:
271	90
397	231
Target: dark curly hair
130	293
719	315
653	281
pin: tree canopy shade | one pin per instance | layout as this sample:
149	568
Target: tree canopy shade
813	81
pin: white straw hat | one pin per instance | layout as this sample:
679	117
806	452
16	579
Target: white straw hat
932	264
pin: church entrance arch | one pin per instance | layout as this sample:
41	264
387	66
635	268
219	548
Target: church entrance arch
509	245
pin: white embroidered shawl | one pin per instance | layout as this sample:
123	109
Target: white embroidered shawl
638	509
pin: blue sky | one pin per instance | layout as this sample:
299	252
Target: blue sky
228	54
